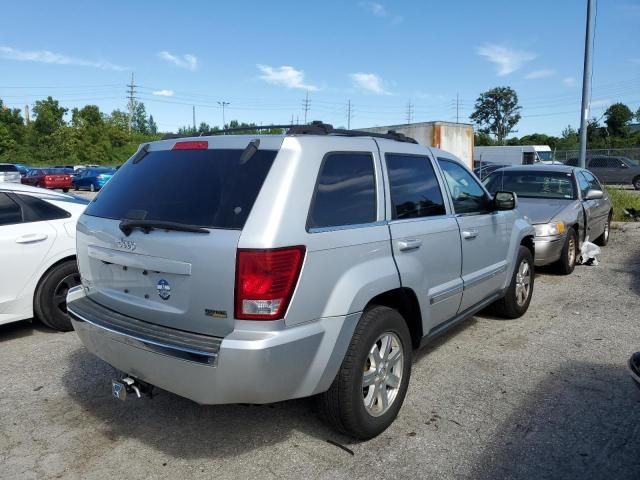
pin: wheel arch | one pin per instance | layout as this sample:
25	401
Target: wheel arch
55	264
405	301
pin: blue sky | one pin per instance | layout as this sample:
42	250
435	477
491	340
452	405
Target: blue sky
263	57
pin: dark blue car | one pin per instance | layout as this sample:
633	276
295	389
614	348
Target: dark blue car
92	179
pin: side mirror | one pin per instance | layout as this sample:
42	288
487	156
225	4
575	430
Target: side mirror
505	200
594	195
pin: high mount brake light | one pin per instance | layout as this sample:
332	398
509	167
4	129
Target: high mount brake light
192	145
265	281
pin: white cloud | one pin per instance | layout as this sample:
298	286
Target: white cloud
188	61
539	74
46	56
163	93
380	10
570	81
369	82
506	59
285	76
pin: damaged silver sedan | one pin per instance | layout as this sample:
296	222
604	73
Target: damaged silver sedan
566	205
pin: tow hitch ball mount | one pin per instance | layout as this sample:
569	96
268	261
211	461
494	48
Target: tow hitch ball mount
128	385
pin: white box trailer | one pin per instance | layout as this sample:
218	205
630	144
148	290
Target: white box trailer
512	155
456	138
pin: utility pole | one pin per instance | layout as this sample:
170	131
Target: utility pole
349	115
132	100
223	104
457	108
586	87
26	114
409	112
194	118
291	119
306	105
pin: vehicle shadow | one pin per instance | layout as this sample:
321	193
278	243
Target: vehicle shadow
437	342
582	421
179	427
23	328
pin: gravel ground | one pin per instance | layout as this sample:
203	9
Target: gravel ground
545	396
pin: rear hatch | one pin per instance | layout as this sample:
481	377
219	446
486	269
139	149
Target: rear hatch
159	241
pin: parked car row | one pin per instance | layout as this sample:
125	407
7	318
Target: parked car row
277	267
611	169
61	177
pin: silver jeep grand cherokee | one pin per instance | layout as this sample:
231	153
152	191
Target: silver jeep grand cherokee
261	268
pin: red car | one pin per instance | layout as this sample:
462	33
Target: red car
49	178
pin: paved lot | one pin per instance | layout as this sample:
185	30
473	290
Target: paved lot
545	396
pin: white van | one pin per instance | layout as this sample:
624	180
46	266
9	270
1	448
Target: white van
516	155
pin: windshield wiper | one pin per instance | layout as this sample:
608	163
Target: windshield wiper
128	225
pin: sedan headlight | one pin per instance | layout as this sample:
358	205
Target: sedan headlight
549	229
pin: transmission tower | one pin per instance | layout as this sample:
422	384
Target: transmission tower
409	112
132	100
306	106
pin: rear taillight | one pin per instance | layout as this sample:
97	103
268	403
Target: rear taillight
265	281
99	177
48	179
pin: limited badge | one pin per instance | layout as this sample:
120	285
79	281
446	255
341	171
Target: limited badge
164	289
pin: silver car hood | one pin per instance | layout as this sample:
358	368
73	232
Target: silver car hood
542	210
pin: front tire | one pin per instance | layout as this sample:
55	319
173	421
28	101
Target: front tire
369	389
92	187
636	183
567	262
50	300
516	300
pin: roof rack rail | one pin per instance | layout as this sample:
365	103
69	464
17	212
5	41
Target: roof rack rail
314	128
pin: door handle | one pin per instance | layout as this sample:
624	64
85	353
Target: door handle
412	244
32	238
470	234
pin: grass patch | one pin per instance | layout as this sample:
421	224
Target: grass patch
621	199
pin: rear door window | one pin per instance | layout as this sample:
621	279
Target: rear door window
345	191
10	211
415	192
209	188
37	210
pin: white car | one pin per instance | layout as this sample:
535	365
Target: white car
37	253
9	173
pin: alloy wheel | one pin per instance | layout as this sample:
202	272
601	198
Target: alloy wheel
523	282
382	374
61	290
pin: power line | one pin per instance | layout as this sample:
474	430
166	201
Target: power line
223	104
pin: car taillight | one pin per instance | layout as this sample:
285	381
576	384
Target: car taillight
99	177
265	281
191	145
48	179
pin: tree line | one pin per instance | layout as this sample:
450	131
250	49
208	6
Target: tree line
92	136
497	112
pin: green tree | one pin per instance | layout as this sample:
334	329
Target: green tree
153	126
139	122
49	116
617	117
497	112
638	115
7	142
13	122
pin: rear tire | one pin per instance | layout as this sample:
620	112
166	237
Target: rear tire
514	304
65	190
603	239
368	391
75	187
636	183
49	303
569	255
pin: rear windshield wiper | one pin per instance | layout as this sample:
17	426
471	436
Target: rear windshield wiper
127	226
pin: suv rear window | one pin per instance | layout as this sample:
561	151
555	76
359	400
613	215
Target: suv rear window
345	192
8	168
207	188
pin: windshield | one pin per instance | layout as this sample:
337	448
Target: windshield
205	188
545	156
532	184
